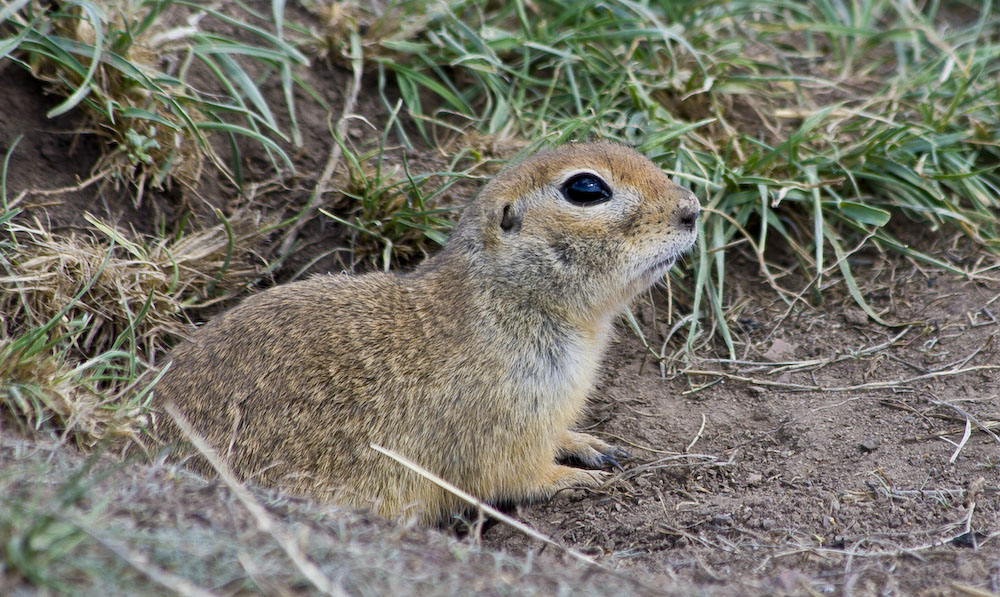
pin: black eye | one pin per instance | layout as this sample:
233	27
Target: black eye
586	189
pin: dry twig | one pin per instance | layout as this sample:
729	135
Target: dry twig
965	589
482	506
323	184
876	385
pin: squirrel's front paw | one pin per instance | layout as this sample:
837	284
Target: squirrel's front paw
586	451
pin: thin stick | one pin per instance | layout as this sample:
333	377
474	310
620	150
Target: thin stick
635	445
961	444
792	366
323	184
264	521
59	191
985	425
963	362
967	416
697	436
692	460
971	591
884	553
527	530
876	385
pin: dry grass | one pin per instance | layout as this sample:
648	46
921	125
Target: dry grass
83	316
41	390
97	527
135	287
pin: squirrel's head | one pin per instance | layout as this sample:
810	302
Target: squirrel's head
583	227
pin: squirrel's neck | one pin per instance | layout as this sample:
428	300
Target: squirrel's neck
549	361
516	316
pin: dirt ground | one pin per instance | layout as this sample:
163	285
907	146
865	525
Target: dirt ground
833	474
836	456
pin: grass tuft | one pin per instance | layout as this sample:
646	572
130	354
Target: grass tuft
393	214
804	128
136	288
83	317
157	81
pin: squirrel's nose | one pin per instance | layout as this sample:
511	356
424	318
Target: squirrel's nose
687	216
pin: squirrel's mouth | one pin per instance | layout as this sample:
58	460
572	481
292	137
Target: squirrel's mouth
659	268
660	264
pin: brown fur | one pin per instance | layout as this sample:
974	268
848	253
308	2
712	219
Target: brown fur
475	365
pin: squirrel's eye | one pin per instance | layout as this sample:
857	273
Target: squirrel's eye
586	189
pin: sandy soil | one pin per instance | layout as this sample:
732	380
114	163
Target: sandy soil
830	459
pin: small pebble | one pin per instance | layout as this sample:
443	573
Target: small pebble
780	351
869	445
855	317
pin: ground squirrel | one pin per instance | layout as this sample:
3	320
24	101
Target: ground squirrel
475	365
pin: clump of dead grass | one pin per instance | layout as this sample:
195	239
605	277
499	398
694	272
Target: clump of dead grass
134	287
41	391
375	30
83	316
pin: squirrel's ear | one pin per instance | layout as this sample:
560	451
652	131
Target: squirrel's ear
511	220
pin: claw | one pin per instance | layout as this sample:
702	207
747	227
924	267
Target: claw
621	452
607	459
611	457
